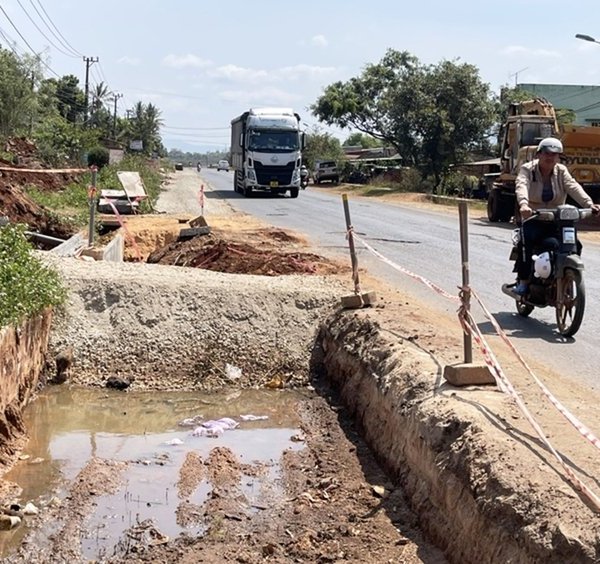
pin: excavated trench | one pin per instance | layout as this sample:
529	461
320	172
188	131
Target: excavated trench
395	465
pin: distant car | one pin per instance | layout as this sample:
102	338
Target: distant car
223	165
326	170
178	166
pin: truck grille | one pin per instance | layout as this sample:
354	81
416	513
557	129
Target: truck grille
282	174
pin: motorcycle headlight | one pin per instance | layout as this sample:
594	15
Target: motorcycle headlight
568	213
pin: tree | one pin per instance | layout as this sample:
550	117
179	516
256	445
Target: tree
17	99
431	114
145	127
320	145
70	98
362	140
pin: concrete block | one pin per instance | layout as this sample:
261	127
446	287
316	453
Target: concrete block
356	301
468	374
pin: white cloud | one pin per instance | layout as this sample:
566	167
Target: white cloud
263	97
301	71
520	50
182	61
319	41
132	61
239	74
235	74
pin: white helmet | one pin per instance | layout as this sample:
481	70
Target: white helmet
542	267
550	145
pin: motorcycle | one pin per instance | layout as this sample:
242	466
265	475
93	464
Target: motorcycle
557	279
303	177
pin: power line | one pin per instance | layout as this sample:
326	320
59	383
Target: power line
58	31
26	43
43	34
73	54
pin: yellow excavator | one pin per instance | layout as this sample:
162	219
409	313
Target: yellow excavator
528	122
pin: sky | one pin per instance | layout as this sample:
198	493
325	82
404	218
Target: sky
203	63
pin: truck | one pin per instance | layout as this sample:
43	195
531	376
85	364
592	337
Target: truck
529	122
266	151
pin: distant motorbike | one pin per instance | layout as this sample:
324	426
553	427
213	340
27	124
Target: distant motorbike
303	177
557	279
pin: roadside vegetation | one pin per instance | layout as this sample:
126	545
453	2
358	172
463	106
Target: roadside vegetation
26	286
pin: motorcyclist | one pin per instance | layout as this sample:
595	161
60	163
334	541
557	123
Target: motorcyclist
543	183
199	166
303	176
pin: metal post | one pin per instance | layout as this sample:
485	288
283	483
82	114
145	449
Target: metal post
92	204
464	257
351	245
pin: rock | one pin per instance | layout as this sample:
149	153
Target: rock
30	509
117	383
8	522
64	361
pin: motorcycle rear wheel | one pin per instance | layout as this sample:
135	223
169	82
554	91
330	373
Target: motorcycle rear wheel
569	314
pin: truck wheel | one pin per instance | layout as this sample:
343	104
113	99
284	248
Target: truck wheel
247	191
294	192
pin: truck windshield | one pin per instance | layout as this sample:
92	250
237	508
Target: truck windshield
269	141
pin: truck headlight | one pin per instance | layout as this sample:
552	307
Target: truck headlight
296	176
251	175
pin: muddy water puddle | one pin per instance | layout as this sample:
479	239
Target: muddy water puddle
70	426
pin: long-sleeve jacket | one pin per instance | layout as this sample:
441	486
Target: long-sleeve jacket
529	186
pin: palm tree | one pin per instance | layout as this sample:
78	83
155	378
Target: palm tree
99	96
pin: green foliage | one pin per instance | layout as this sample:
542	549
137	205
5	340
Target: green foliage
98	156
363	140
144	126
17	99
431	114
60	141
26	285
321	146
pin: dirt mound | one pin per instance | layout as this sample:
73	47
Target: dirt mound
255	252
20	208
14	202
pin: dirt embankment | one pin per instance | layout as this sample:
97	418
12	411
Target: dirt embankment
16	204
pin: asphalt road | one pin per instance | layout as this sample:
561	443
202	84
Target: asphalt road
427	243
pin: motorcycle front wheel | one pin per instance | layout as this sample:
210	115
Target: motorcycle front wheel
571	305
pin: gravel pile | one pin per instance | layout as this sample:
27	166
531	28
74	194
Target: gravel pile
174	328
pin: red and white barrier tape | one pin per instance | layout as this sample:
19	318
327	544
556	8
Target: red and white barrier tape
395	266
469	326
582	428
128	234
201	199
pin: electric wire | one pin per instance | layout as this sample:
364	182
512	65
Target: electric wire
58	31
43	34
26	43
71	52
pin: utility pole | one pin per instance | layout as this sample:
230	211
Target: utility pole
117	96
128	112
89	61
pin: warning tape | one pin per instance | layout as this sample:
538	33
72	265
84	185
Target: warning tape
128	234
201	198
581	427
43	170
422	279
470	326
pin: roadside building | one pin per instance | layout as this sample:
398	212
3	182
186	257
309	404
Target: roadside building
584	100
